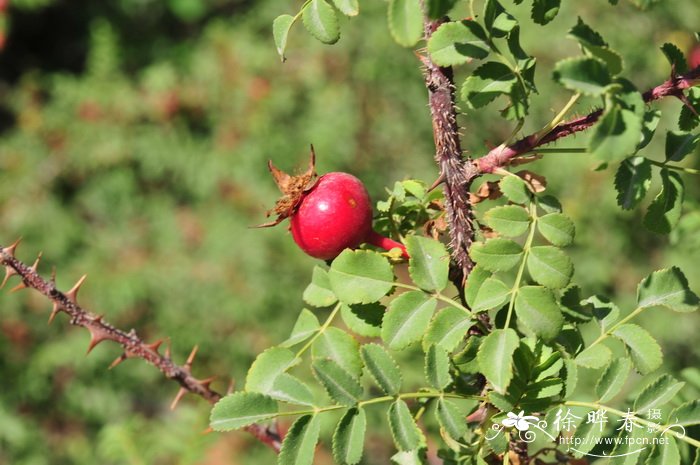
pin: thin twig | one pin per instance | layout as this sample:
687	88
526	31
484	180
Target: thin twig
502	155
133	345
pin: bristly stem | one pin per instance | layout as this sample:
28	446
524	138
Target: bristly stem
454	168
134	347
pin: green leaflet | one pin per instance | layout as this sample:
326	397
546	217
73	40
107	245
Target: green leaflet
299	443
340	385
404	430
360	276
644	350
320	20
667	288
405	21
495	357
242	409
405	321
349	437
437	367
382	367
613	378
666	208
429	263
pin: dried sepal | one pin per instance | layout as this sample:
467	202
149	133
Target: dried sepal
292	189
535	182
488	190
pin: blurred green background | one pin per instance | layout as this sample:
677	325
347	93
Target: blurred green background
134	136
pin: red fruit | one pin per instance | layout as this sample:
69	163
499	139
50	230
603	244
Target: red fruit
329	215
694	57
334	215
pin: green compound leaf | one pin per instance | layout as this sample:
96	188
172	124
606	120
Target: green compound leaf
587	75
455	43
339	346
537	308
241	409
340	385
280	31
349	437
439	8
404	430
665	210
497	20
405	321
320	20
596	356
687	414
474	282
665	454
612	379
365	320
644	350
429	263
451	418
508	220
318	293
267	367
594	44
514	189
299	445
306	325
437	367
360	276
675	57
382	367
667	288
492	294
587	434
570	377
497	254
550	266
487	82
495	357
557	228
447	329
406	21
617	134
680	144
347	7
632	181
657	393
544	11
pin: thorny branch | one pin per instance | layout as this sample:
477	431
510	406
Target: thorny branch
456	171
502	155
134	347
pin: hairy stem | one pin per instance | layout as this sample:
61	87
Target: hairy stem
134	347
454	169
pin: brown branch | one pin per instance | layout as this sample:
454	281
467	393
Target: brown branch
502	155
454	169
134	347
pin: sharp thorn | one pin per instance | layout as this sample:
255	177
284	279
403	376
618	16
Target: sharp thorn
35	266
19	287
53	276
168	350
95	338
155	345
9	272
437	182
208	430
180	394
54	311
117	361
206	382
231	386
73	293
10	249
190	358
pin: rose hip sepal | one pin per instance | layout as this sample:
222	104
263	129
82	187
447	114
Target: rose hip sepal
328	214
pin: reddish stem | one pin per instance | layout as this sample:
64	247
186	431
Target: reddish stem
376	239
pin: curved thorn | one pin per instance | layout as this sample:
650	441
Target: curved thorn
190	358
117	361
19	287
35	266
54	311
73	293
9	272
10	249
180	394
155	345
